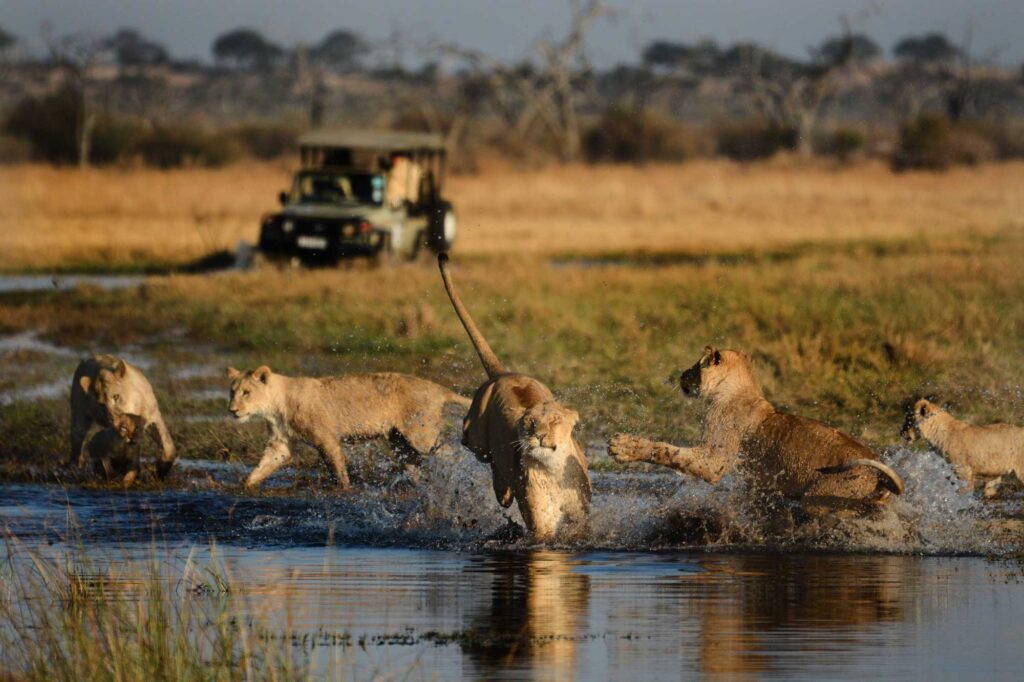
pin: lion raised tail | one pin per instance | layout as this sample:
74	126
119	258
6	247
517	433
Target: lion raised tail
491	363
893	480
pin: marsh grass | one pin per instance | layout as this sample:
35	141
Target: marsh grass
844	335
65	617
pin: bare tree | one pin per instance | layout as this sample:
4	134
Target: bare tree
541	91
76	56
793	94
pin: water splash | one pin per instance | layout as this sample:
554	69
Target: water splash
449	503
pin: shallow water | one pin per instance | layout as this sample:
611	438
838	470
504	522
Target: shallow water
521	612
12	283
415	578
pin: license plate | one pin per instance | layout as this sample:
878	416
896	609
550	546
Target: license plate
306	242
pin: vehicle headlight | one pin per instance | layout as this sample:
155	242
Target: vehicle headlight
288	226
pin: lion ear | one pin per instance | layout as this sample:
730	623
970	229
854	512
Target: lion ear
85	383
574	416
716	357
234	374
709	350
120	369
923	409
262	374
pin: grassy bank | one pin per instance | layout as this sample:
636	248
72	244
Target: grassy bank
146	220
844	335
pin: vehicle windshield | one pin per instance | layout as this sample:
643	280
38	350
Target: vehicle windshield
338	188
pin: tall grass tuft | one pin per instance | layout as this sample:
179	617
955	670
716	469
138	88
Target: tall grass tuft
66	618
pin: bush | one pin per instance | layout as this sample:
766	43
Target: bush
636	136
48	125
753	139
933	143
266	141
842	144
186	145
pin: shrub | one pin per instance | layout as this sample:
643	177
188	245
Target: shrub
842	143
932	142
186	145
753	139
635	136
266	141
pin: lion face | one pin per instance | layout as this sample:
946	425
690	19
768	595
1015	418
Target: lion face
713	372
113	390
545	434
923	409
250	393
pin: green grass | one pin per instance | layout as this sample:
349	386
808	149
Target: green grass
69	619
845	335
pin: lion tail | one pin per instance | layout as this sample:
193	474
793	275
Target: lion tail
491	363
892	481
459	400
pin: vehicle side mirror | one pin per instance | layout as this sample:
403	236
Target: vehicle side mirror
282	197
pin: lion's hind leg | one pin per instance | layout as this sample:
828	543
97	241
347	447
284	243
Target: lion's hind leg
846	493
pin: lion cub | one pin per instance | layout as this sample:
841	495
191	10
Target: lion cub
778	453
115	394
990	451
516	425
116	453
325	411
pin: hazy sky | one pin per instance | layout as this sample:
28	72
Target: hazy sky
505	27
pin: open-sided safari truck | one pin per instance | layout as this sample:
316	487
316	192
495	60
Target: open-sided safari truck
362	193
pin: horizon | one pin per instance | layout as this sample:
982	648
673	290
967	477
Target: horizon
505	28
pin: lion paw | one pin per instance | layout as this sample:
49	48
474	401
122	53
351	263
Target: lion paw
627	448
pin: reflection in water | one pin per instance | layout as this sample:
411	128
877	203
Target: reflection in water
741	603
534	617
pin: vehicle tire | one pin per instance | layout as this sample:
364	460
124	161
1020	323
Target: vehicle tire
443	227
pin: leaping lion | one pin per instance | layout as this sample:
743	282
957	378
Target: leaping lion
517	426
779	453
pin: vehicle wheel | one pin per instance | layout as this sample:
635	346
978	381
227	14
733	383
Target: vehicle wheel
443	228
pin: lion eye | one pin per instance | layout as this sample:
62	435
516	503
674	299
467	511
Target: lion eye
117	398
245	393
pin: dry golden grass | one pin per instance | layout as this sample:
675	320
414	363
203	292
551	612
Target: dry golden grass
68	218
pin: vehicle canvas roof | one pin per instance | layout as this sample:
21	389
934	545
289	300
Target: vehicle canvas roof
383	140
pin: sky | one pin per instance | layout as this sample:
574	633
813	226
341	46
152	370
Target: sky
505	28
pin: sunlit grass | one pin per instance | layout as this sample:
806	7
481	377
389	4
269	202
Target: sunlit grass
145	219
63	617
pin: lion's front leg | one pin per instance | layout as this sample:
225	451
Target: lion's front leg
965	473
275	456
700	462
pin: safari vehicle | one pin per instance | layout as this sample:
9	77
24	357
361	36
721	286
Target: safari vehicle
362	193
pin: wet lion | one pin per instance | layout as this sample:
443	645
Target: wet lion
991	451
516	425
779	453
113	393
325	411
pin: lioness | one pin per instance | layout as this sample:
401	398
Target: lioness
115	393
516	425
778	453
989	451
325	411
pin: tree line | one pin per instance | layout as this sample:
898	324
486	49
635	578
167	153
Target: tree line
551	96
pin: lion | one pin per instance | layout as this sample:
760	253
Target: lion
115	394
778	453
516	425
323	412
993	451
116	453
